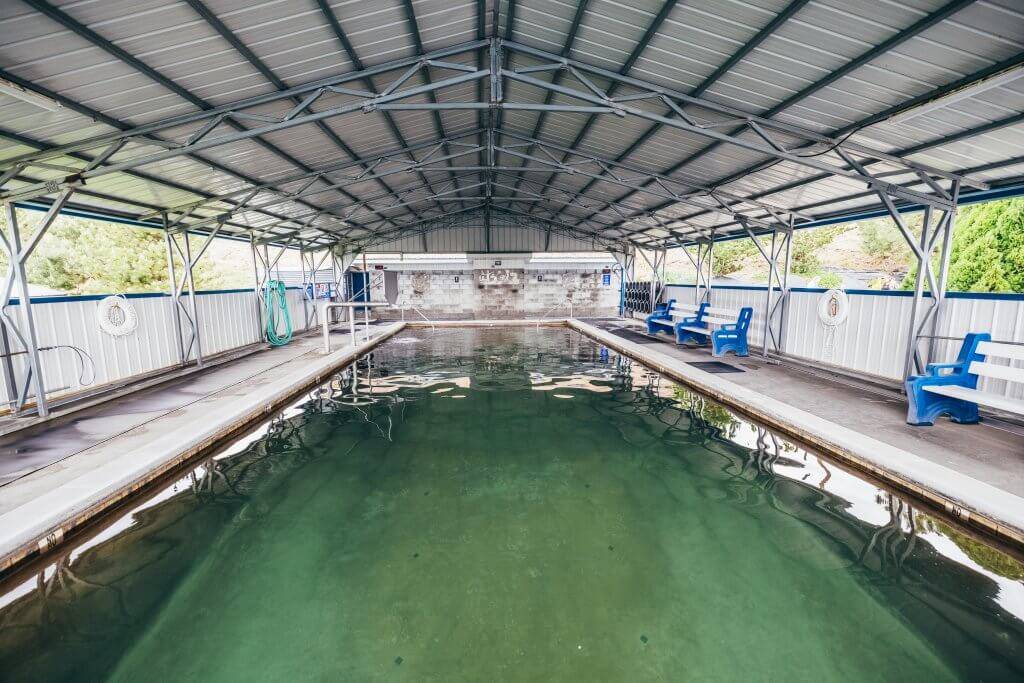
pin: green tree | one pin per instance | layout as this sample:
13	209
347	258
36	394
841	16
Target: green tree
730	256
987	253
806	242
95	257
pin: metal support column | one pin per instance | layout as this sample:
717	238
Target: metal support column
703	264
778	281
25	332
179	245
257	290
923	248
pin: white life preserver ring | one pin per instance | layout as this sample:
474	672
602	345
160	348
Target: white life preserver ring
833	308
116	316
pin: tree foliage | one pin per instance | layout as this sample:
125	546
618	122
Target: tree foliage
94	257
987	253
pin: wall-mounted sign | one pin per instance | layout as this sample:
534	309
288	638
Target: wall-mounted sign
606	278
378	266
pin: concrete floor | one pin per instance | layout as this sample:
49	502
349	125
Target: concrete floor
992	452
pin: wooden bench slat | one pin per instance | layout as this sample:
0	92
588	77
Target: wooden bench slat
998	350
1010	405
1006	372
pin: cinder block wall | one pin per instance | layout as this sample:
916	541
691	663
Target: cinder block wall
502	293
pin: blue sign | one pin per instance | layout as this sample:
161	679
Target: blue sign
606	279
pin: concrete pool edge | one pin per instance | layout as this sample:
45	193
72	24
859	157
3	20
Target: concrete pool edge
42	523
970	501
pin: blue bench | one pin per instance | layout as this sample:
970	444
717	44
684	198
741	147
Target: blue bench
731	334
661	318
952	388
670	315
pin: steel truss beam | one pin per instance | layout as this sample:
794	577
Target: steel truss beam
698	122
206	121
748	47
326	176
627	175
271	77
692	114
627	66
156	76
917	28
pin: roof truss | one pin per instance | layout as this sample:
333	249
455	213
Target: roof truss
493	166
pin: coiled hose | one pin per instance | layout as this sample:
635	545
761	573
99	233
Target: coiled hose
277	311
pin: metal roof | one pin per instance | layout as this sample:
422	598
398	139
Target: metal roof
447	125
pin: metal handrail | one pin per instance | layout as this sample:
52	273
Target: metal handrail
558	305
327	305
418	312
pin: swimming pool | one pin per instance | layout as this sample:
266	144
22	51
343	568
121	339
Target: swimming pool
516	504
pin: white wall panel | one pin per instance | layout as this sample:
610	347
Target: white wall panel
227	320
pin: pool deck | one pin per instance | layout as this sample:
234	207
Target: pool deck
974	472
55	477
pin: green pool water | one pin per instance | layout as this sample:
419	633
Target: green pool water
517	505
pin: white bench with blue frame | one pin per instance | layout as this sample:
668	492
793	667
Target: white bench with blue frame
952	388
731	334
665	316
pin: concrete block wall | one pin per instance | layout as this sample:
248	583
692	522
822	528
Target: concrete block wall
499	293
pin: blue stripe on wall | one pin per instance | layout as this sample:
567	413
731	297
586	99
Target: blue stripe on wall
997	296
146	295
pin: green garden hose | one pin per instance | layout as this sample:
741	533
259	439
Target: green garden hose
277	307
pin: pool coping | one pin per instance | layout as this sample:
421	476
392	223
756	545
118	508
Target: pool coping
967	500
41	524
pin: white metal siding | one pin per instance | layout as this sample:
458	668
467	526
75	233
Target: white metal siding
872	341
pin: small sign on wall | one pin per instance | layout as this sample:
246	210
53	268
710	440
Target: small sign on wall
606	279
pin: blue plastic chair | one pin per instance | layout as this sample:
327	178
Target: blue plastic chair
661	312
923	406
732	337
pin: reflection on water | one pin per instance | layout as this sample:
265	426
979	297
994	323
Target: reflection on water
516	504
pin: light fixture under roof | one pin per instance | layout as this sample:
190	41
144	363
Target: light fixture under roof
964	93
18	92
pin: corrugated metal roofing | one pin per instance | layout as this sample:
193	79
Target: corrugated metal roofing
853	70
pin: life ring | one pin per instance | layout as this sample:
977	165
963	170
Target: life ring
833	308
116	316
